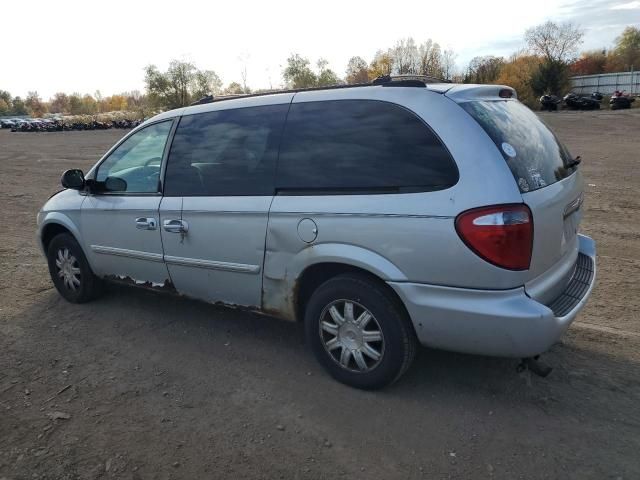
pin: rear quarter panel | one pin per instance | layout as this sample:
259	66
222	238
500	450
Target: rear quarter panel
398	237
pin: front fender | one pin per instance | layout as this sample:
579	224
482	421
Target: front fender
65	220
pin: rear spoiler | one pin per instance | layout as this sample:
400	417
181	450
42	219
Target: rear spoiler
469	92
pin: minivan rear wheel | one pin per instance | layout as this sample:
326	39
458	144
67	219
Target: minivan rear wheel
359	332
70	271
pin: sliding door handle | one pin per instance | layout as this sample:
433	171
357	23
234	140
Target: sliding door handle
175	226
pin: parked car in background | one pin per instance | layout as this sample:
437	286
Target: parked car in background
384	216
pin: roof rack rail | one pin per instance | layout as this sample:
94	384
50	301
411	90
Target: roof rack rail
203	100
407	80
384	80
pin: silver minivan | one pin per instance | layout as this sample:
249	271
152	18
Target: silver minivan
382	216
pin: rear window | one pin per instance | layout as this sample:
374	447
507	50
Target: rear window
533	153
225	152
358	146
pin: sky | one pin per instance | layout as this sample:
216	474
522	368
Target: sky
84	46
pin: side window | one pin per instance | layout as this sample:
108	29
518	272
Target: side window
134	167
361	145
226	152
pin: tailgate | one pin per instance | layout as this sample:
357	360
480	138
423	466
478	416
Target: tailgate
557	211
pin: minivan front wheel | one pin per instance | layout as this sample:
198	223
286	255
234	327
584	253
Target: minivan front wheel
70	271
359	332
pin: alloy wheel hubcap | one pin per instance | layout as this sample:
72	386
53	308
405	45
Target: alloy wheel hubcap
68	269
351	335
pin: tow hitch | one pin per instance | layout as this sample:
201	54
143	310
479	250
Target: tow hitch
534	365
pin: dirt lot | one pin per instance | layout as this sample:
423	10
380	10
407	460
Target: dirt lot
162	387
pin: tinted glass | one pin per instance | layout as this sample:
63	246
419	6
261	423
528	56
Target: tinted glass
367	145
228	152
534	154
136	161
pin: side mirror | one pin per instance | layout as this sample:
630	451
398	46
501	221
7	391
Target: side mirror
115	184
73	179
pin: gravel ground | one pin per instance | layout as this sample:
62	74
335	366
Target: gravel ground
138	385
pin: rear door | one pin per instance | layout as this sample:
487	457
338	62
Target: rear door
218	188
541	167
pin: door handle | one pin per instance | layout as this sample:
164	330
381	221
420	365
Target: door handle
175	226
144	223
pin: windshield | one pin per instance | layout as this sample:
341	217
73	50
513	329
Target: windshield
534	155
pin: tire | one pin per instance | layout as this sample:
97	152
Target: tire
79	284
389	322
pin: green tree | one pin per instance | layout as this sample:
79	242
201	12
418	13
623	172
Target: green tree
298	74
357	71
180	85
627	48
234	88
59	103
4	107
205	82
326	77
551	77
89	105
18	107
75	104
6	98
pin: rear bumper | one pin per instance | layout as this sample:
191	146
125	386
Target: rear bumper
505	323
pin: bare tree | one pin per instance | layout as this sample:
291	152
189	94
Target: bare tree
484	69
555	42
430	59
243	71
405	57
448	63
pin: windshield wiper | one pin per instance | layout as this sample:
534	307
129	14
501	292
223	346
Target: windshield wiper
574	163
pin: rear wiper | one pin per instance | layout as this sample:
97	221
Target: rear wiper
574	163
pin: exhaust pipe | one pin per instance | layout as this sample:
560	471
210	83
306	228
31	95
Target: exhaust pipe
533	364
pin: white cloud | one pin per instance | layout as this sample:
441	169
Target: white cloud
627	6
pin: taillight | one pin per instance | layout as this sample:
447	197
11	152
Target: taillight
501	234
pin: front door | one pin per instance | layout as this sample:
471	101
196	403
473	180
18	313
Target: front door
120	219
218	188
